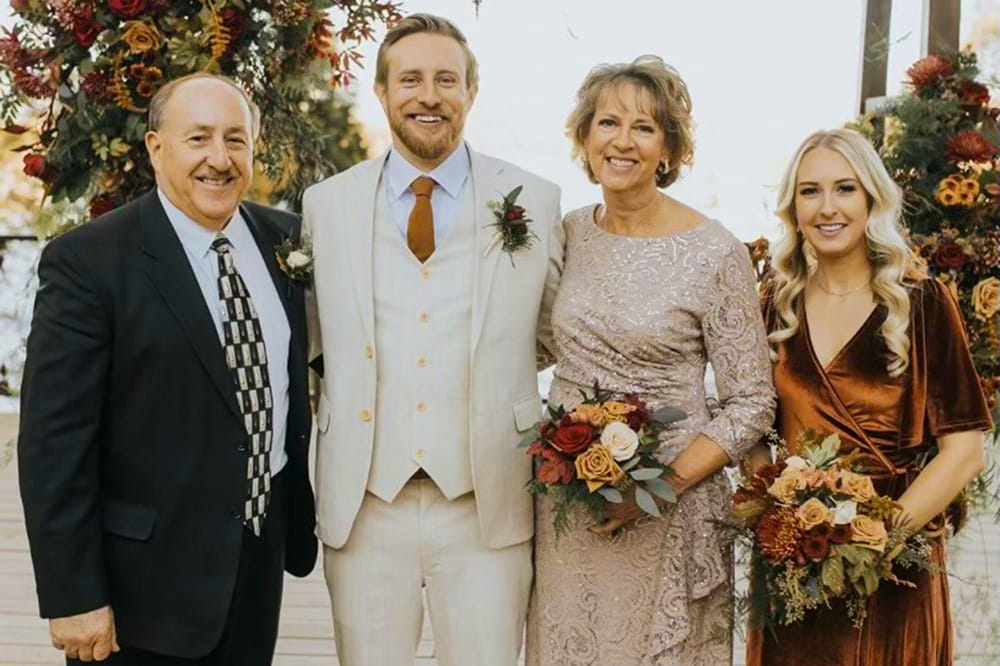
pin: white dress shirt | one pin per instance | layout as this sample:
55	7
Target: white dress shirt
197	243
450	176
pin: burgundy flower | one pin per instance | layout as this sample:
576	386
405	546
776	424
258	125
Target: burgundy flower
86	34
970	146
97	85
929	70
235	22
841	534
815	548
950	256
127	9
573	439
973	94
34	165
100	205
822	531
515	213
639	416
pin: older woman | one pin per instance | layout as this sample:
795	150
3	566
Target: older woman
869	348
652	291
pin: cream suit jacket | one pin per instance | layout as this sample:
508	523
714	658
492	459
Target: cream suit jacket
510	311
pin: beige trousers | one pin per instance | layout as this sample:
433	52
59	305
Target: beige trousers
477	597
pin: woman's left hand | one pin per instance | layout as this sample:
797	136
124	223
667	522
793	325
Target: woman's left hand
621	514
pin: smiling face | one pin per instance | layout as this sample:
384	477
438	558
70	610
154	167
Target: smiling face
625	145
426	97
831	206
203	151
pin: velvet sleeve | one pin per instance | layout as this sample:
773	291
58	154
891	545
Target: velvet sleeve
955	400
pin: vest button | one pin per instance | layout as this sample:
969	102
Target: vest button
366	415
421	362
421	407
418	454
369	352
425	274
424	317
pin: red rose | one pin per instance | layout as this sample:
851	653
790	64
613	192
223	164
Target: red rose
973	94
235	22
127	9
815	548
86	34
556	468
573	439
100	205
34	165
770	472
841	534
950	256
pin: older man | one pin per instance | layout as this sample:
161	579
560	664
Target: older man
428	319
164	414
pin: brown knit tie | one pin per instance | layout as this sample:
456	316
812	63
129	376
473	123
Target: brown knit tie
420	229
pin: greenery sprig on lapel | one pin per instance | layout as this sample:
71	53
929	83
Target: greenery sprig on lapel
512	232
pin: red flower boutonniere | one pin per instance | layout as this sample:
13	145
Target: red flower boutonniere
512	232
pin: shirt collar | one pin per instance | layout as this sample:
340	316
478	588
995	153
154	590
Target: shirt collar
450	175
195	238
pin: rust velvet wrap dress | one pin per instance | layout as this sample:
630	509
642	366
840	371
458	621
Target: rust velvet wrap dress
896	422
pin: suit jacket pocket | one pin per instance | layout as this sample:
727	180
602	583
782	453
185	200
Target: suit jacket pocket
527	412
132	521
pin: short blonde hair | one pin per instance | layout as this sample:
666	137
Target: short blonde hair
158	104
671	109
418	23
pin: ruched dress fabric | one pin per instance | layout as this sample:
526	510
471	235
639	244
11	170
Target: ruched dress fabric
895	423
645	316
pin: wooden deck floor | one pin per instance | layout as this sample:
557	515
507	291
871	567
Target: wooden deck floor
305	637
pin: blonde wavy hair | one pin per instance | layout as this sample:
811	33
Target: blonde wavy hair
896	269
671	110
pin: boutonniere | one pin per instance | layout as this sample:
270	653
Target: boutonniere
295	261
511	225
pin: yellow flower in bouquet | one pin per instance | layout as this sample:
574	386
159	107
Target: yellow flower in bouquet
597	467
617	411
858	486
869	533
812	513
589	413
142	36
787	485
986	298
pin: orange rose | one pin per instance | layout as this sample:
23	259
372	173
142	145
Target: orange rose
142	36
597	467
591	414
786	485
858	486
869	533
812	513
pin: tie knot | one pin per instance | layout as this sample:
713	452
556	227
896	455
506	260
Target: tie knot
422	186
221	244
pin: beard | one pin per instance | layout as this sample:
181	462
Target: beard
423	146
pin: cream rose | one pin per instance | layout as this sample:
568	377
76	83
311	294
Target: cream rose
795	462
297	259
597	467
621	440
858	486
869	533
786	485
845	512
812	513
986	298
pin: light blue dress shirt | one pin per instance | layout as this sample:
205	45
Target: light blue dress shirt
451	177
197	243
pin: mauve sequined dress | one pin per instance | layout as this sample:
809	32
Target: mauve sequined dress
645	316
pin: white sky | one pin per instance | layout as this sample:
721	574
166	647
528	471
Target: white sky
762	75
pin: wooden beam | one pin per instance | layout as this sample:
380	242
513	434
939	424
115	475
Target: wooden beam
941	23
874	51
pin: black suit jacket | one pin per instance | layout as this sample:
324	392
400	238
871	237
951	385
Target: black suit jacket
132	451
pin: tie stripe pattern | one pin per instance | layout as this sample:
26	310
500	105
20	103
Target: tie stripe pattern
246	357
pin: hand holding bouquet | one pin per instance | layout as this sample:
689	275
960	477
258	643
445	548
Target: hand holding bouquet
819	531
591	454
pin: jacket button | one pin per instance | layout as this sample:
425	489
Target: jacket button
241	446
369	352
366	415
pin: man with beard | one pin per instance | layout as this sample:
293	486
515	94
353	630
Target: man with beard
428	317
164	412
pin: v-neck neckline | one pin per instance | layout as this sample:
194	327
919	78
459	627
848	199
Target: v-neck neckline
829	365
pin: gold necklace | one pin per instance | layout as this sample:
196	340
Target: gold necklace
842	293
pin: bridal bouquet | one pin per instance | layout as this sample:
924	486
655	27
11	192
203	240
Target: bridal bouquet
819	531
589	455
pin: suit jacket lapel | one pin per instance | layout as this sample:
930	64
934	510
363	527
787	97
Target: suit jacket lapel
485	186
358	228
170	271
266	240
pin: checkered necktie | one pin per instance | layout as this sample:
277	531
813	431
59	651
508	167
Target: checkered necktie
247	359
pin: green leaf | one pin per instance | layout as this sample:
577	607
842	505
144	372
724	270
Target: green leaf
667	415
832	575
529	438
630	464
661	489
646	473
512	196
611	494
646	502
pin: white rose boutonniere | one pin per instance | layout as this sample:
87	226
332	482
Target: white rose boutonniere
295	261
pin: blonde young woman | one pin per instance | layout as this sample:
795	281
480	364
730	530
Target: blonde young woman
651	292
869	348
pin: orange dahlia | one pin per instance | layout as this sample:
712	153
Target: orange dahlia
929	70
778	534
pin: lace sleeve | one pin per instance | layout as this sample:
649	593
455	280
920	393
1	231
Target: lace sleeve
737	349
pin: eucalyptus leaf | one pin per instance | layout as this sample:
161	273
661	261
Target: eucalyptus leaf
646	502
630	464
646	473
661	489
611	494
666	415
529	438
